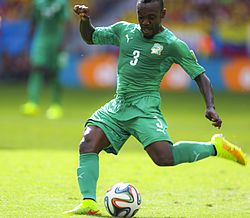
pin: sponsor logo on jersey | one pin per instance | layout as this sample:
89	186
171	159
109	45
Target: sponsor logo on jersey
128	38
156	49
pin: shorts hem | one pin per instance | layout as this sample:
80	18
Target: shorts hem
110	148
157	140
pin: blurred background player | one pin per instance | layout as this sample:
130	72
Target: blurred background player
147	51
48	32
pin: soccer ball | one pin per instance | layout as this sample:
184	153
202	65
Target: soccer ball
122	200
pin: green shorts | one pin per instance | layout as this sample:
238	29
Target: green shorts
44	53
141	117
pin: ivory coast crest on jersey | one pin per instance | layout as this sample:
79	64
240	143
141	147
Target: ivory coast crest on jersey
156	49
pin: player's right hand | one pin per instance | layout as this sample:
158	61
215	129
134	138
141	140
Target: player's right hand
212	115
82	11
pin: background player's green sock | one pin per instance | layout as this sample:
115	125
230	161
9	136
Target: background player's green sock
34	86
87	174
189	151
56	90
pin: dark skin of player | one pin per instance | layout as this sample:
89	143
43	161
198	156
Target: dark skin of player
150	16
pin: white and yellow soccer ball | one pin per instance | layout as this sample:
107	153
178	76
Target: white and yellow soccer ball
122	200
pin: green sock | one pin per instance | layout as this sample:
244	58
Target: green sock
87	174
188	151
56	90
34	86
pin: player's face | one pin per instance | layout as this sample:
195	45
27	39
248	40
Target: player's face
149	17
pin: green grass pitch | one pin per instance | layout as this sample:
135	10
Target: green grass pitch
38	158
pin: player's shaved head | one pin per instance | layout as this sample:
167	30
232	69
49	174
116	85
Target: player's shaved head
161	2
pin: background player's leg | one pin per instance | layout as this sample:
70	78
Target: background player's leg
35	83
56	88
55	110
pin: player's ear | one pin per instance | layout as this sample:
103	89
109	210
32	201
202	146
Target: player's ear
163	12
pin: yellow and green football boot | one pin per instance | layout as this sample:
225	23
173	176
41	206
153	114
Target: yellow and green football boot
87	207
30	109
54	112
227	150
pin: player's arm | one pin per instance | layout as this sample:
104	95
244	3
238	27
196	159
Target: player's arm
186	58
86	28
207	91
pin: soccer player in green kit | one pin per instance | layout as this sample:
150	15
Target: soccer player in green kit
48	31
147	51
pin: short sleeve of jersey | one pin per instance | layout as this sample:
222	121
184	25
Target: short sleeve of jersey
109	35
186	58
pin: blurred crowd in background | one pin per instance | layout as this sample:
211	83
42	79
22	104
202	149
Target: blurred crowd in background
213	28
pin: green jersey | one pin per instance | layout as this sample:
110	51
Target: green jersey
50	16
143	62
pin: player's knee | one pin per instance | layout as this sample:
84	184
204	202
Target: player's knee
160	153
93	141
162	162
87	145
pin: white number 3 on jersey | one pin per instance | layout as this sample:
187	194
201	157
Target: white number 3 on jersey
136	55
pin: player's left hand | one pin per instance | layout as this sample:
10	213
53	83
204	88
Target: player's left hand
82	11
212	115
